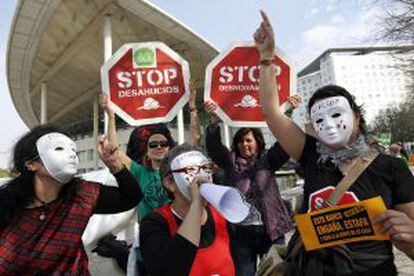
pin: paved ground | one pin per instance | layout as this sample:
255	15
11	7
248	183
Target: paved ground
404	264
104	266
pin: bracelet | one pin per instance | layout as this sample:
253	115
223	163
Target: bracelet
266	62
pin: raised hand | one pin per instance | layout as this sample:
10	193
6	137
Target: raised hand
109	154
264	38
210	108
295	100
105	105
193	95
194	189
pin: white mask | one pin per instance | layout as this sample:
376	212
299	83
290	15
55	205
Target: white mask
187	160
333	120
58	155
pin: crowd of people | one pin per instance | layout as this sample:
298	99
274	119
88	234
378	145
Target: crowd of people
45	208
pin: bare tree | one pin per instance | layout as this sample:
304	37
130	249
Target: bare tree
397	120
397	26
398	22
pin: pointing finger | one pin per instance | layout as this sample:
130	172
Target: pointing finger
265	18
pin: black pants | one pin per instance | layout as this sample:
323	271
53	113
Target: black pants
249	242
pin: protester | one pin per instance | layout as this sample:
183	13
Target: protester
45	208
251	169
403	151
188	236
396	151
340	128
146	148
375	143
157	145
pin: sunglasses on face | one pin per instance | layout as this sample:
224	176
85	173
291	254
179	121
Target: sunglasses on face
207	168
155	144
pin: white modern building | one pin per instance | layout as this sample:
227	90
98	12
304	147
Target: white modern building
372	74
56	49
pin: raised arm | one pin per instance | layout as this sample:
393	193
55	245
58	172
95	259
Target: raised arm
112	135
128	193
276	155
218	152
195	132
289	135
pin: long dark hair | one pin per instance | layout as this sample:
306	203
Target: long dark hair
19	192
257	134
334	91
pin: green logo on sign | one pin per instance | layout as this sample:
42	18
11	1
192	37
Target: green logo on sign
144	57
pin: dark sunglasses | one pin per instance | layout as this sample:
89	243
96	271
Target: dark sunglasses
155	144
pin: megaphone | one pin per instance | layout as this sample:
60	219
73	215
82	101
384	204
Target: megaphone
228	201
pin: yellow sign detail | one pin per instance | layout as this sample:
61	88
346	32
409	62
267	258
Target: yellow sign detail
341	224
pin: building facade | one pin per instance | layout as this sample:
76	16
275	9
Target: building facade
372	74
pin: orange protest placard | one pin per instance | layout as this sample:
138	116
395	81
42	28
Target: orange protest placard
341	224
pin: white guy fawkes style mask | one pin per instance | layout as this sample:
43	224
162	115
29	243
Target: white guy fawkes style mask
333	120
58	154
187	165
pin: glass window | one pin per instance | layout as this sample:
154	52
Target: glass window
82	156
89	155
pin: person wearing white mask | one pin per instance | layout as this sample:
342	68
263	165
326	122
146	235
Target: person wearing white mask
188	236
340	138
45	208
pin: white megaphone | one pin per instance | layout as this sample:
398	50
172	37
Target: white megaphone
227	200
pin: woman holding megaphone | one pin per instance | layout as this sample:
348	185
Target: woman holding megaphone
188	236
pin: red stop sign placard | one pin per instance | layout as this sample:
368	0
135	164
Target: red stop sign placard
316	198
146	82
232	82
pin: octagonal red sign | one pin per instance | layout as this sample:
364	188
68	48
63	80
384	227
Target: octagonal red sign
146	82
232	82
316	198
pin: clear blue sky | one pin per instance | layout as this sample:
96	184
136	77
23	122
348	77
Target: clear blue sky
304	28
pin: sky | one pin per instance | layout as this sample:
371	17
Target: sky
303	30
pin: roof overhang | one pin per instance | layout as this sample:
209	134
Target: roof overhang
59	42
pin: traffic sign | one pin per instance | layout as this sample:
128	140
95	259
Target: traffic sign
146	83
316	198
232	82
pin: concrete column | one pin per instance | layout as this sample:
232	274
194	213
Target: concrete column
95	132
226	135
107	44
43	103
180	127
